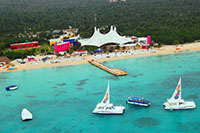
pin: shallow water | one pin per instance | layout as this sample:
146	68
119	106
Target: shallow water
62	98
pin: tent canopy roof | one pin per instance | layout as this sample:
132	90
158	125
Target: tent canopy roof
98	39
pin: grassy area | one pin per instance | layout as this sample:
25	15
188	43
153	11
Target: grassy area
15	54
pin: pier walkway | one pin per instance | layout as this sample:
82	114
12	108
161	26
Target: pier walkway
114	71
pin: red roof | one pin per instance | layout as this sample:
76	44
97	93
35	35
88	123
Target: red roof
24	43
133	38
80	51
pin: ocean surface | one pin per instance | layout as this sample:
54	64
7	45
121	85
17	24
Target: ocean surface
62	99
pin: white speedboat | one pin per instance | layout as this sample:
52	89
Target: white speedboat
107	108
176	103
26	115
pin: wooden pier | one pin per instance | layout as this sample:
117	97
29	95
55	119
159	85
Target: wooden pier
114	71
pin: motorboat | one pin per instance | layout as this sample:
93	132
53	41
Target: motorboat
176	102
107	108
138	101
26	115
11	87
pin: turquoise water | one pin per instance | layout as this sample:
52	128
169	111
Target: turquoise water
62	98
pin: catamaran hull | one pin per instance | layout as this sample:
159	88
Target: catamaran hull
117	111
183	106
108	113
140	104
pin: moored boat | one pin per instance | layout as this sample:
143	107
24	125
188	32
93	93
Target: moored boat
11	87
138	101
26	115
176	102
107	108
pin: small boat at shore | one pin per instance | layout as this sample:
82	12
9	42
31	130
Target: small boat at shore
107	108
176	102
26	115
11	87
138	101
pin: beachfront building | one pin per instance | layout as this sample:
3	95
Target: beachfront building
112	0
98	39
80	52
61	47
144	40
73	42
112	38
64	38
24	45
138	42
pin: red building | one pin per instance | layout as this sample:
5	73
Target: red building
61	47
80	52
24	45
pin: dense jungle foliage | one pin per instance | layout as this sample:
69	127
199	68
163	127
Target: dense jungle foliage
166	21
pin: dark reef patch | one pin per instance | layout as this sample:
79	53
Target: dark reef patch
146	122
112	78
137	75
62	91
82	82
95	94
30	96
140	74
61	84
188	126
56	129
134	76
2	77
56	95
8	95
132	82
65	102
54	87
79	88
75	101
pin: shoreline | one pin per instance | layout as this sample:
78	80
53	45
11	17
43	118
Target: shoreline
169	49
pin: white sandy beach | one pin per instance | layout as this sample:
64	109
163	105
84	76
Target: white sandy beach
163	50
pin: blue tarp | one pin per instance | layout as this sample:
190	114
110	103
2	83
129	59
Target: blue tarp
45	58
98	51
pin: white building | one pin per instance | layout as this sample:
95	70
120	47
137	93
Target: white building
98	39
112	0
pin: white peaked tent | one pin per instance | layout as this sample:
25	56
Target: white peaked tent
98	39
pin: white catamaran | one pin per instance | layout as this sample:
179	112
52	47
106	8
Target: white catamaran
176	103
107	108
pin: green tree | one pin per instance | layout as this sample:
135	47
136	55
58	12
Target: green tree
176	42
